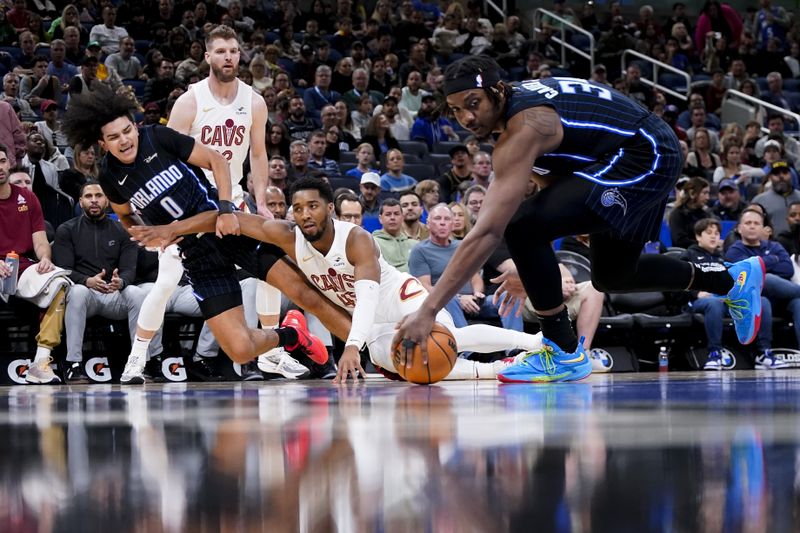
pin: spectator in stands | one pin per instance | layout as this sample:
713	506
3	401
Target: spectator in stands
84	168
86	80
777	199
461	220
152	114
73	51
412	93
715	93
370	187
775	125
317	159
305	67
698	119
102	273
11	94
430	127
190	66
473	200
395	245
613	42
12	137
57	67
702	160
361	115
719	18
733	168
366	160
481	169
399	119
57	206
104	73
50	127
706	253
158	89
737	75
455	181
298	161
336	120
775	94
599	75
411	204
299	124
429	258
408	30
394	180
778	286
729	204
124	62
690	208
69	18
790	239
277	172
769	22
25	59
22	230
380	136
428	191
39	85
379	80
360	84
277	140
320	95
107	33
773	151
445	37
685	118
349	209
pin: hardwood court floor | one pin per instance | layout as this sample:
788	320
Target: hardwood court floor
638	452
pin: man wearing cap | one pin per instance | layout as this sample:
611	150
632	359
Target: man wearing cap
599	75
400	119
777	199
370	187
152	114
773	151
305	67
430	127
50	127
360	79
729	204
455	181
107	34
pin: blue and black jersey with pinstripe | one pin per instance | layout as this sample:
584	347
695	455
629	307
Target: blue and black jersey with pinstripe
163	187
632	156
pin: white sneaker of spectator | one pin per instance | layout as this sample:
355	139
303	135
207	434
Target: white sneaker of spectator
602	362
768	361
41	373
278	361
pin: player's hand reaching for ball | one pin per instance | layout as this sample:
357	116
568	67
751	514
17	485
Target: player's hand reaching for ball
413	330
349	364
227	224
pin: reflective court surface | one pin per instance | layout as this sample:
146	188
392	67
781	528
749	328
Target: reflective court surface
708	452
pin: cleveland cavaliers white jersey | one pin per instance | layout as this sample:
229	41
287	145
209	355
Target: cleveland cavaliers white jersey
334	275
225	128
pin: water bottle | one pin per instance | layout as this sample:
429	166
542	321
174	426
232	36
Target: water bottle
663	359
10	283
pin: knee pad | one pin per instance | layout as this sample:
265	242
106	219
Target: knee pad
268	299
170	269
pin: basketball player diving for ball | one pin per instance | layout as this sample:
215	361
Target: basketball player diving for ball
154	170
605	166
345	264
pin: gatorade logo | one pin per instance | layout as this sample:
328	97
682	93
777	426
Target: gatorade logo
18	369
98	370
173	369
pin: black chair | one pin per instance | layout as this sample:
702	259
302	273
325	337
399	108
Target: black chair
416	148
440	161
420	171
348	182
347	157
445	146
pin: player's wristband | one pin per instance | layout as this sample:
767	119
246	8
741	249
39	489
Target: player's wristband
225	207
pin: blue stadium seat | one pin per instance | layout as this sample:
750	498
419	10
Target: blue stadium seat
142	46
762	84
416	148
440	161
445	146
791	84
347	157
672	81
270	37
371	224
138	87
420	171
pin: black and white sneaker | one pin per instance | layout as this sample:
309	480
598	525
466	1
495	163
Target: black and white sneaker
75	374
250	372
204	369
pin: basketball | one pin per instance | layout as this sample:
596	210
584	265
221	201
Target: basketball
442	353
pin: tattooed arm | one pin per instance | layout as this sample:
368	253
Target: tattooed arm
527	135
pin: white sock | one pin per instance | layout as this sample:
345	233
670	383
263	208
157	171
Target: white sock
139	348
485	339
42	353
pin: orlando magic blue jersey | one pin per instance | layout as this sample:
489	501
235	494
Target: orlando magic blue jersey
597	120
159	184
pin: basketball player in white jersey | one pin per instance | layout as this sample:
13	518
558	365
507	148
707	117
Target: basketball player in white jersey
225	114
345	264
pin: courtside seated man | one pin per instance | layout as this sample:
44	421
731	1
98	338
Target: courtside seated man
605	166
156	170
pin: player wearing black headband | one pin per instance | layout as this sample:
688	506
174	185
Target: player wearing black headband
604	165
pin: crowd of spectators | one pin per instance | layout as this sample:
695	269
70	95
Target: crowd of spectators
354	92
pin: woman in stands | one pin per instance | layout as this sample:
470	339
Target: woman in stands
378	134
84	168
461	220
702	159
69	17
277	140
428	191
732	166
690	208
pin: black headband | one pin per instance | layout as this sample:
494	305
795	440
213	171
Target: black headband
481	80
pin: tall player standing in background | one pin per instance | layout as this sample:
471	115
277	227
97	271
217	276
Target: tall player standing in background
225	114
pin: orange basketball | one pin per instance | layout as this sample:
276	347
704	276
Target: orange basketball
442	353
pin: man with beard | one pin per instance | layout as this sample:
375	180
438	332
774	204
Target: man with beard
400	120
429	126
299	125
790	239
57	205
729	204
455	181
411	204
777	199
103	275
